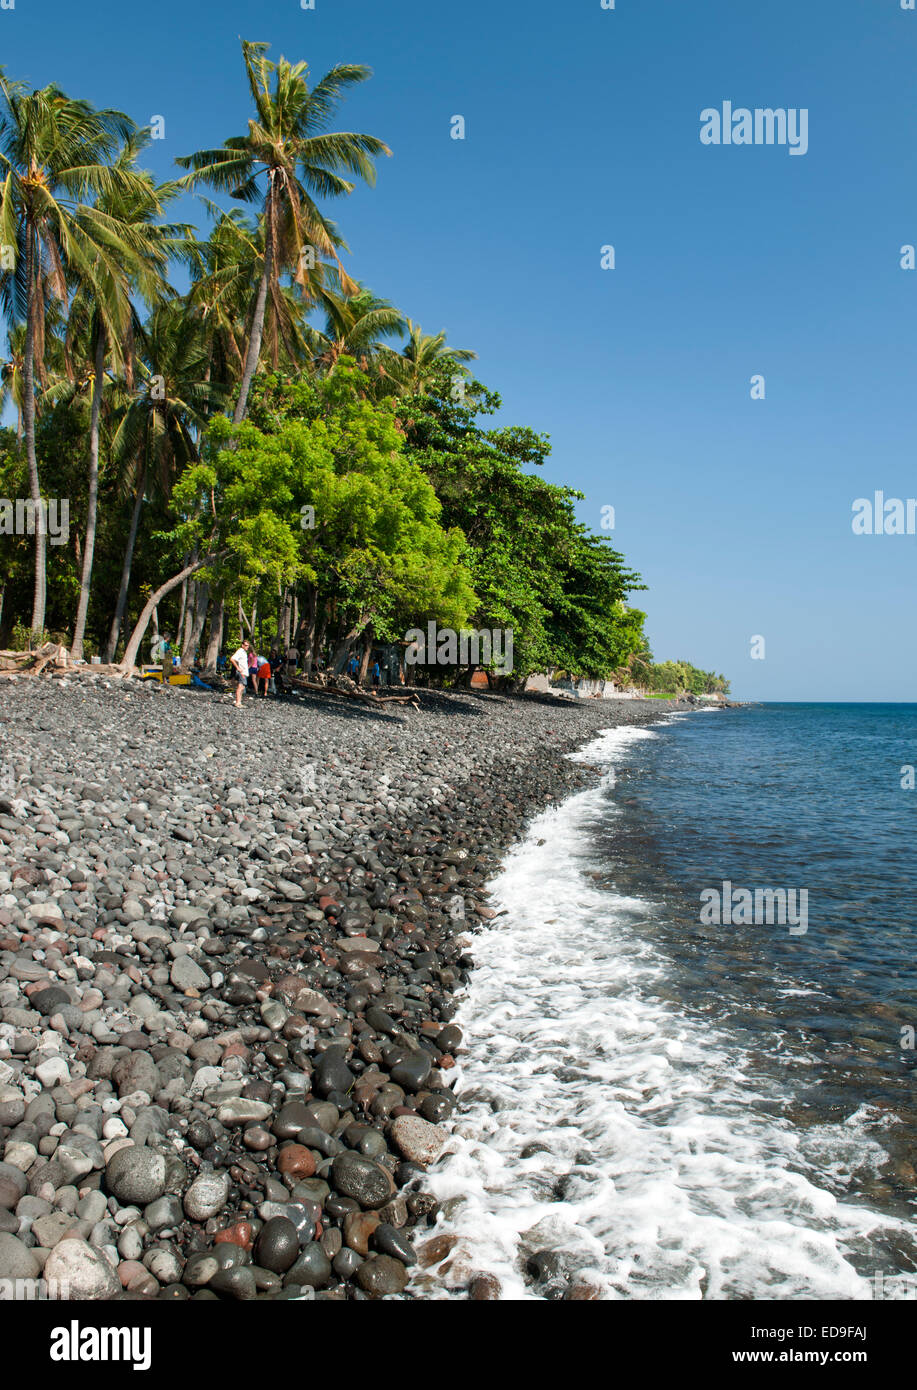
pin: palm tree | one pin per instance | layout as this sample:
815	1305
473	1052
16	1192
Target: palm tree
224	268
134	251
288	142
158	432
54	153
422	357
354	325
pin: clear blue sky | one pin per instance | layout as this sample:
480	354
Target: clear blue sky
583	130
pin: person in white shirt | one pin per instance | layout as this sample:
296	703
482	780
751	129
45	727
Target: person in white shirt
239	663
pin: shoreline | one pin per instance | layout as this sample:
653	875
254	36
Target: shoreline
248	932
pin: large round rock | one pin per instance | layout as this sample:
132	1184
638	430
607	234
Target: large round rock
312	1270
136	1174
418	1140
207	1195
366	1182
16	1259
412	1071
278	1245
381	1275
80	1272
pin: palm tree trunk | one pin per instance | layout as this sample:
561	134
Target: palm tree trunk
286	610
217	619
254	342
79	627
111	645
39	593
306	638
364	659
189	618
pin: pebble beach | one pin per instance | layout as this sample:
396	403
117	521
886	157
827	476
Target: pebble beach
231	943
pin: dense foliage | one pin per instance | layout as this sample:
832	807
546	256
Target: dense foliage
256	455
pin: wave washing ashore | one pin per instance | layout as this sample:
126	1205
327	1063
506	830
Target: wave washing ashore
228	947
656	1108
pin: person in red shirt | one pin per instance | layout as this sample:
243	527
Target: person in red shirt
263	677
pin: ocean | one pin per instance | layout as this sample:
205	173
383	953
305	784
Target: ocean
665	1100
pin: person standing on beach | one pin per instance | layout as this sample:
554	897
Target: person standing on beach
239	663
263	676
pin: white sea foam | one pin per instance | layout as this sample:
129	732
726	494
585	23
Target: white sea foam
600	1121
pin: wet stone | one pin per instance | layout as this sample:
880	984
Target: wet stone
277	1247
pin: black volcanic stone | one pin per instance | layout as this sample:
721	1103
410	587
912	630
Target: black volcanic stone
49	1001
413	1070
332	1073
354	1176
277	1246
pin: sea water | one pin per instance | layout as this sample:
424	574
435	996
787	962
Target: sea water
681	1109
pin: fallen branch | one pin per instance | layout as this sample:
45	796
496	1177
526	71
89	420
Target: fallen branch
354	694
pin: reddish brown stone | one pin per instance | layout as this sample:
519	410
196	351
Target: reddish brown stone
238	1234
128	1270
484	1288
296	1159
358	1228
584	1292
432	1251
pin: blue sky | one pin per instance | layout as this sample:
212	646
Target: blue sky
582	130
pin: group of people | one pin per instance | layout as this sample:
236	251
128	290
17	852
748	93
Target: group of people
260	674
353	671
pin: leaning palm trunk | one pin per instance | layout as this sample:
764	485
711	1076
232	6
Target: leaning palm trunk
254	341
28	412
136	637
79	627
109	653
184	634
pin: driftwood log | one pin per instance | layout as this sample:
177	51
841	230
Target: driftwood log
33	663
351	692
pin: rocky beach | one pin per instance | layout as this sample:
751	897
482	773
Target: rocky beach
230	943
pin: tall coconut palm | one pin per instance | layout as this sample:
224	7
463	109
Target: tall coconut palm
287	156
224	269
54	154
422	357
134	249
354	325
158	432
